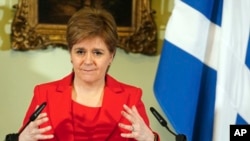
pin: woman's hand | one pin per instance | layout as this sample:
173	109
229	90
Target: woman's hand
139	130
33	133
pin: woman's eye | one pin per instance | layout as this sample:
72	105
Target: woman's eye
79	52
98	53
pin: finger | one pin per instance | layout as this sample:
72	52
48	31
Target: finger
127	116
42	115
127	135
127	109
45	137
38	134
134	109
126	127
45	129
136	113
39	121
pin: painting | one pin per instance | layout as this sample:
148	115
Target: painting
38	24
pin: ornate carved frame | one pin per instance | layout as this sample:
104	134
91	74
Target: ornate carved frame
28	34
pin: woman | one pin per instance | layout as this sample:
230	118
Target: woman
89	104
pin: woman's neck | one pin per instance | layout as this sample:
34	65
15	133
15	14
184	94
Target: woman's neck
89	94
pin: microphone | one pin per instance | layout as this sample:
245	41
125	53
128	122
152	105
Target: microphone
163	122
34	116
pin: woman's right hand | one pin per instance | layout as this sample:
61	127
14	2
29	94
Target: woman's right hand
33	133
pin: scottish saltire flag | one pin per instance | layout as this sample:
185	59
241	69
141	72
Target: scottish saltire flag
203	78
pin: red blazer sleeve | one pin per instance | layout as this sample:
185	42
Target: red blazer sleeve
35	102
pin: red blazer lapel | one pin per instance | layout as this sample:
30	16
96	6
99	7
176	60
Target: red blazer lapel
113	105
113	101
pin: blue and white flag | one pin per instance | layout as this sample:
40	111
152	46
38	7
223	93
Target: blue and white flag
203	78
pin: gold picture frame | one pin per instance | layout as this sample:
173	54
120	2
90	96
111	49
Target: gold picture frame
28	33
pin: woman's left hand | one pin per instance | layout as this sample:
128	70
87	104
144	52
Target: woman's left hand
139	130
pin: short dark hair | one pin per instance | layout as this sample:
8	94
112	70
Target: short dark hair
92	22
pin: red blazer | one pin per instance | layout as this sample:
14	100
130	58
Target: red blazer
57	94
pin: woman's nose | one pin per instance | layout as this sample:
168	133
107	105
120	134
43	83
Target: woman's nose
88	59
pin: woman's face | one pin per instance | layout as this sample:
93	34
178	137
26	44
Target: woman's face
90	59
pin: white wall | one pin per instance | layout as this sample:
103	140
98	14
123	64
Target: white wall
20	71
